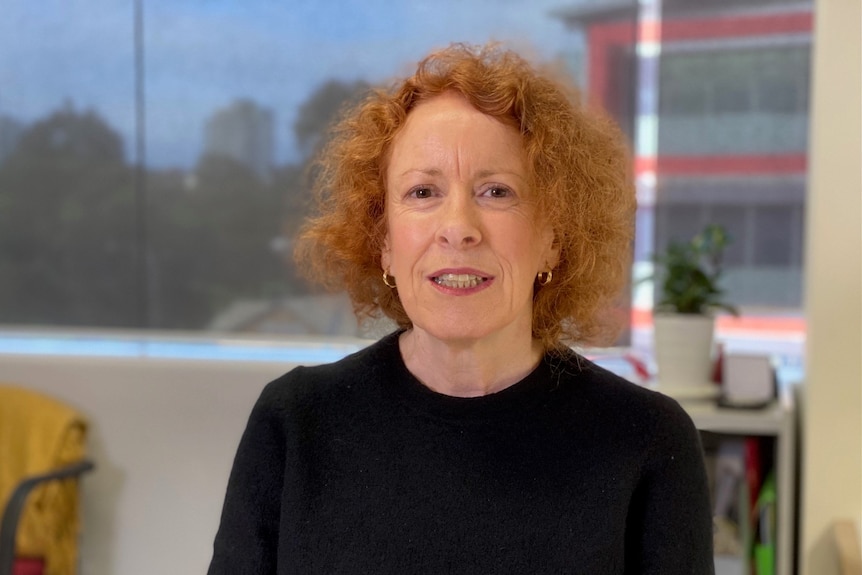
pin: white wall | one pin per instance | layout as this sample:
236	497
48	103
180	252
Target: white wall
832	475
163	435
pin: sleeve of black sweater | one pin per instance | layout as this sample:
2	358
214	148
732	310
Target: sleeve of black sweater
670	524
247	539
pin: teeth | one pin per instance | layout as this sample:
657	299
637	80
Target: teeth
459	281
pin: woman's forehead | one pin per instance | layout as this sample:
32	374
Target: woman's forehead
448	128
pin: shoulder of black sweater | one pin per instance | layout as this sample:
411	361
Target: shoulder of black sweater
611	391
315	383
630	412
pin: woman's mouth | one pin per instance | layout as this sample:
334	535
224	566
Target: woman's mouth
459	281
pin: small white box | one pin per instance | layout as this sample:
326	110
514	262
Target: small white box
748	380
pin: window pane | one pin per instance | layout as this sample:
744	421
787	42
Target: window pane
68	244
774	233
683	221
734	101
739	153
734	219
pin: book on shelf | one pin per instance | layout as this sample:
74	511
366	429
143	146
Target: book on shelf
744	501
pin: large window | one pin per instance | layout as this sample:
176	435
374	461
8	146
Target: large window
153	152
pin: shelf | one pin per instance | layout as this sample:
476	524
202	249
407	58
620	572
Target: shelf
777	421
771	420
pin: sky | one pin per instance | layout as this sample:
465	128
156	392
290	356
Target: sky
201	55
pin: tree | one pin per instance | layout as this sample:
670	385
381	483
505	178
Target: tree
67	234
317	113
211	241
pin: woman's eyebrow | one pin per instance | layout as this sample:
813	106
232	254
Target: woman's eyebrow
426	171
498	172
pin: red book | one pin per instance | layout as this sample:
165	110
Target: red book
28	566
753	474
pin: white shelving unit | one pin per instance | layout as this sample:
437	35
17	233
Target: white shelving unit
776	421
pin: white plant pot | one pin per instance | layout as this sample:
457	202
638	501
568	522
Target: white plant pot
683	349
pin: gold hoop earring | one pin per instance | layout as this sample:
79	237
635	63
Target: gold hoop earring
387	278
544	278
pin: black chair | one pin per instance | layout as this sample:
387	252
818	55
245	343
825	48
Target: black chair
15	505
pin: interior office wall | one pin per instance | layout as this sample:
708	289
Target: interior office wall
832	474
163	436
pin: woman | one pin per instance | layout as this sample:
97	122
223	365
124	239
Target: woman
486	211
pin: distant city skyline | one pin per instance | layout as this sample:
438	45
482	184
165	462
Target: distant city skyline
242	131
202	55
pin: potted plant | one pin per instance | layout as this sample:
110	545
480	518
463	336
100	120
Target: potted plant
689	293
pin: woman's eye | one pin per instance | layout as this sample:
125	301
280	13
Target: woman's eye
498	192
421	192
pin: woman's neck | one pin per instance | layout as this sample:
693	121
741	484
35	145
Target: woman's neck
468	368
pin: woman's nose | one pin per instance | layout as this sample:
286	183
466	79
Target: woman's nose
459	226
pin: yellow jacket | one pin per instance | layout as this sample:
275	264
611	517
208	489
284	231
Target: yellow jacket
37	435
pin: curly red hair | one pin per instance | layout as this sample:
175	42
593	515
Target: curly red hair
579	165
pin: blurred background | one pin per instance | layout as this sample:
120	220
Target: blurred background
153	153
